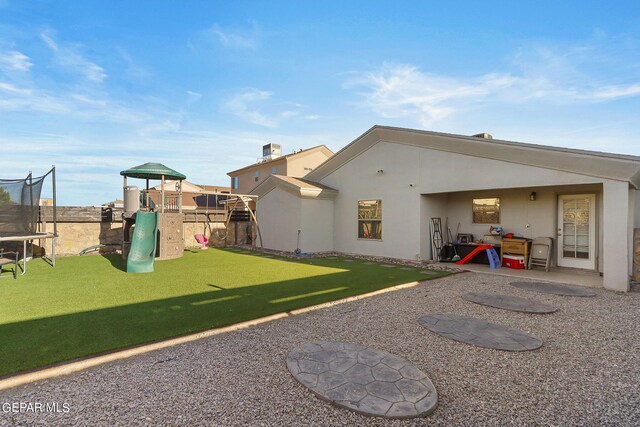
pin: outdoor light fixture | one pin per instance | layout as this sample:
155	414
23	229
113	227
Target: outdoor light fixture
532	196
380	172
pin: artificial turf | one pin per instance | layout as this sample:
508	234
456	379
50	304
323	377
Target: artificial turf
88	305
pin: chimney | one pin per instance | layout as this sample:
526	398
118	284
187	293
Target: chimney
483	135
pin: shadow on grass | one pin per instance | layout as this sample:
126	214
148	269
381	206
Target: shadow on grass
116	261
34	343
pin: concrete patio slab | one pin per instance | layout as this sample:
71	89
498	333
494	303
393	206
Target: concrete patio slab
554	288
480	333
509	302
569	276
363	379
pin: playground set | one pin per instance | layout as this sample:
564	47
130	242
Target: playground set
153	229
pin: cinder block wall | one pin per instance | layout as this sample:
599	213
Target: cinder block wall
80	227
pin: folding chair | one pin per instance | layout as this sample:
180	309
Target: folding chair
540	255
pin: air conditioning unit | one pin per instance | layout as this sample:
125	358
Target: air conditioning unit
271	151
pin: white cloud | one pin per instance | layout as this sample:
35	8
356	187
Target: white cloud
15	61
405	91
258	107
14	90
240	106
536	74
235	39
68	57
193	97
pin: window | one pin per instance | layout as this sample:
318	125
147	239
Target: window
370	219
257	176
274	170
486	211
234	182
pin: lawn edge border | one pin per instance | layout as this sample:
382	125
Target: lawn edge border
68	368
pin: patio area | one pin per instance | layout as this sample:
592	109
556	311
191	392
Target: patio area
585	373
555	274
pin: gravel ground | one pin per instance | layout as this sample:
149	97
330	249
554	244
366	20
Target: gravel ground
586	373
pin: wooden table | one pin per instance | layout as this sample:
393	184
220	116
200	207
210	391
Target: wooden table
516	246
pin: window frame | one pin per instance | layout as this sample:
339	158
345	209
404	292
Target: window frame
499	209
235	181
360	220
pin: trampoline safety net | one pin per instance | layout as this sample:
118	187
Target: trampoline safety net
19	205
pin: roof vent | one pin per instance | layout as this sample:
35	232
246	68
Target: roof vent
483	135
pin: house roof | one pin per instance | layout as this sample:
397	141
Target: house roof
299	186
590	163
300	153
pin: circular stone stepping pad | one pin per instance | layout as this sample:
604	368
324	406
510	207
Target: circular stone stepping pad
387	265
362	379
508	302
480	333
554	288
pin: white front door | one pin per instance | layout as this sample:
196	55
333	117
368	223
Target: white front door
577	231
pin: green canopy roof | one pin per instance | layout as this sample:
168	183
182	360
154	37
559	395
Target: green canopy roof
152	171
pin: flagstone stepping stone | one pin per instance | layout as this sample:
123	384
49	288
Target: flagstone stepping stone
555	289
363	379
480	333
508	302
428	272
387	265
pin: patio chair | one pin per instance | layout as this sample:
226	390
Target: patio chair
540	255
6	260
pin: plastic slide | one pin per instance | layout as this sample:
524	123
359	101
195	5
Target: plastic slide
143	243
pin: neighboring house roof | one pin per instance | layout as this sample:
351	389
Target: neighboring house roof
298	186
291	156
590	163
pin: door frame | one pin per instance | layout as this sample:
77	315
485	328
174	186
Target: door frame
592	262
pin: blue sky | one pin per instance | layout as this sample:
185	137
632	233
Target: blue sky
98	87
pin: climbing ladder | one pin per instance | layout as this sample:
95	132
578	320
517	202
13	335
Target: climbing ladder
494	258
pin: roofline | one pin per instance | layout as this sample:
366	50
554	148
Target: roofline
303	192
373	136
286	156
516	143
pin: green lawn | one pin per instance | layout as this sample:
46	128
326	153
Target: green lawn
88	305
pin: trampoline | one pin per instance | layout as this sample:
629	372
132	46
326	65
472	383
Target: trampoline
21	217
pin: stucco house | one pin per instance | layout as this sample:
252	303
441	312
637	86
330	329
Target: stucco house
296	164
376	197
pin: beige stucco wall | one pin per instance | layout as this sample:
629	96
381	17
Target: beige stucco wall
316	225
409	172
247	179
279	215
299	166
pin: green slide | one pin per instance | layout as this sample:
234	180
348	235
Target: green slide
143	243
